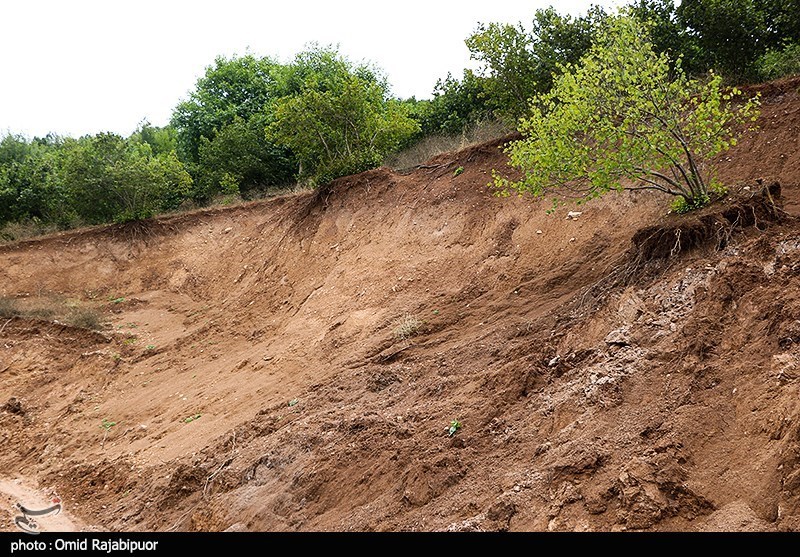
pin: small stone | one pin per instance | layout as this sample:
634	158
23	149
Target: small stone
618	337
539	232
227	230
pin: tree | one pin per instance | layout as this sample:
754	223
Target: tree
670	36
236	87
734	33
29	183
518	64
340	121
161	140
241	159
621	114
455	105
111	179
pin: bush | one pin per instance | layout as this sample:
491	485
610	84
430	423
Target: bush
624	114
341	120
779	63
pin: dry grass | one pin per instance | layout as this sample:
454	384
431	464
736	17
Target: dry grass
407	326
429	147
84	318
8	307
15	231
51	308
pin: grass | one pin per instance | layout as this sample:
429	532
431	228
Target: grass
51	307
407	326
84	318
8	308
432	145
16	231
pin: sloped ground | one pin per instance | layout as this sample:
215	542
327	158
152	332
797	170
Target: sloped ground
257	378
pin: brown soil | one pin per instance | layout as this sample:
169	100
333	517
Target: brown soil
607	374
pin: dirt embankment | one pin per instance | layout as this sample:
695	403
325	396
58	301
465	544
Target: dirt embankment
295	364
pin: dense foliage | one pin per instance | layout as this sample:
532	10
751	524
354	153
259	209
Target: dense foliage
623	113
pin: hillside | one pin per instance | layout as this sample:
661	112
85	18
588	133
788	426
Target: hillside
607	373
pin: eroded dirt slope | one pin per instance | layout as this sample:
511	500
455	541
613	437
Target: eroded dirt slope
256	379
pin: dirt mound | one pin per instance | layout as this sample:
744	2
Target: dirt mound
405	351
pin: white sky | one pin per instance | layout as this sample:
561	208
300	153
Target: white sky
84	66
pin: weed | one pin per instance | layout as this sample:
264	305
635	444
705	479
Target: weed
116	300
151	346
293	402
432	145
106	425
8	307
682	206
192	418
407	327
458	171
455	425
85	318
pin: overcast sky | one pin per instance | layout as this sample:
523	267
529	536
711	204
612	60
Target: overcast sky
76	67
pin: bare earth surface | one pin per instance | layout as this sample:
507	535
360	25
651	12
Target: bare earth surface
608	374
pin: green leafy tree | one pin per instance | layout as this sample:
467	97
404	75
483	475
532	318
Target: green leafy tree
734	33
621	116
111	179
670	36
240	159
517	64
232	87
340	121
162	140
29	184
456	104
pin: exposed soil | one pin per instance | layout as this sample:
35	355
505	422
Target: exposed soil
607	373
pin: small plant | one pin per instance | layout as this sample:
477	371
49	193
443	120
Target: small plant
407	327
192	418
116	300
458	171
84	318
455	425
106	426
8	307
151	346
293	402
681	206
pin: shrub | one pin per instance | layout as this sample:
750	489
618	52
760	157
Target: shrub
623	115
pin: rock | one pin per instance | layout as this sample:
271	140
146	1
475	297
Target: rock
13	406
618	337
572	215
227	230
